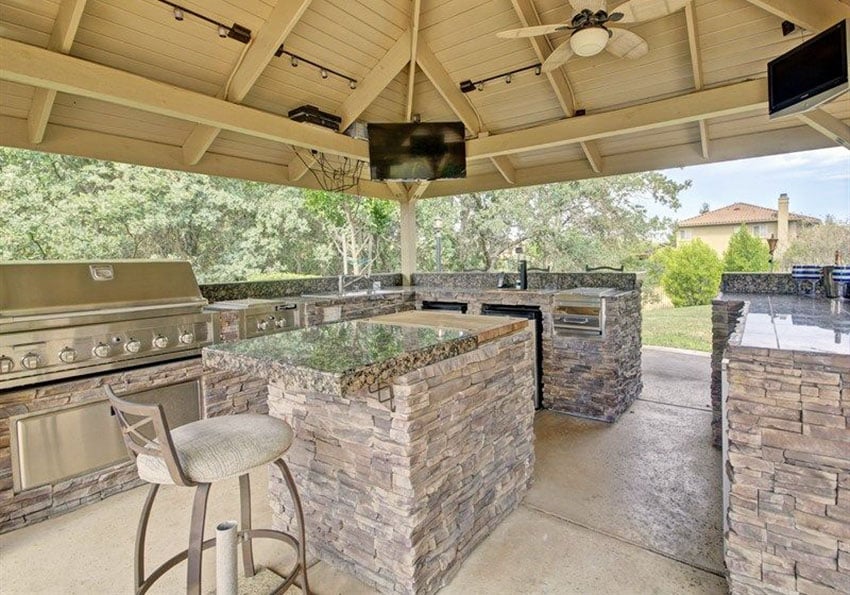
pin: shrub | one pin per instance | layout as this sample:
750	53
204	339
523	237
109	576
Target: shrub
746	253
817	244
691	274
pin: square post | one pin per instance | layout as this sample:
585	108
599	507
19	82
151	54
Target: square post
408	239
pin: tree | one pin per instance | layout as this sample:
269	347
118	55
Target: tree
817	244
705	208
746	253
691	274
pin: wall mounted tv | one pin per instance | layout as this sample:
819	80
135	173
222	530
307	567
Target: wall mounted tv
810	74
423	151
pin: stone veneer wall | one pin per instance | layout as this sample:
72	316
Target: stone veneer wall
779	283
350	308
789	469
724	319
400	498
598	378
223	393
216	292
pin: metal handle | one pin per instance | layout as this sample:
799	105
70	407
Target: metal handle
589	268
573	320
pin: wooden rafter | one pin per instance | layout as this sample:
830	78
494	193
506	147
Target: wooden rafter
261	51
414	41
732	99
828	125
61	39
557	78
696	68
812	15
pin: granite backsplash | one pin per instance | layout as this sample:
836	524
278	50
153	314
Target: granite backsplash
621	281
216	292
777	283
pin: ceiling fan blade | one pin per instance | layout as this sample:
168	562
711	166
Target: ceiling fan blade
591	5
625	44
561	54
635	11
531	31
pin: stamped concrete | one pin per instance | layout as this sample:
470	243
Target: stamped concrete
632	507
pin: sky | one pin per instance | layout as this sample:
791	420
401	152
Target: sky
817	183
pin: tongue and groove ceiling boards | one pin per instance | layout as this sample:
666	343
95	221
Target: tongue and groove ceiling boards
124	80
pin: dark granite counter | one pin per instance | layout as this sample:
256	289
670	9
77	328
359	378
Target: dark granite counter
792	323
351	355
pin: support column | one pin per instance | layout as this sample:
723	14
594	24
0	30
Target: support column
408	239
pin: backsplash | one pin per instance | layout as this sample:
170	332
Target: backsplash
621	281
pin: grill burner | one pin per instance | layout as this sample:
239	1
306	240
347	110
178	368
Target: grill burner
63	319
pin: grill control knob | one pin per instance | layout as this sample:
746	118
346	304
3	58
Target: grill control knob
280	323
101	350
186	337
133	346
160	341
30	361
262	325
6	364
68	355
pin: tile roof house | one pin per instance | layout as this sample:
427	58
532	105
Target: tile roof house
717	226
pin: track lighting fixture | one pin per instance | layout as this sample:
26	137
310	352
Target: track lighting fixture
470	85
324	71
234	31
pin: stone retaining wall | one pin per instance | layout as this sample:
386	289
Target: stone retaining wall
789	471
350	308
724	318
223	393
399	495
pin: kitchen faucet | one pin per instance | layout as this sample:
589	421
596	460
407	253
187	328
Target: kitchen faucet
343	284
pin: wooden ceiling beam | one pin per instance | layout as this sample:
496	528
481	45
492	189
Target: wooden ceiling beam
447	88
773	142
506	168
61	39
260	52
828	125
362	97
812	15
30	65
414	41
66	140
737	98
696	68
557	78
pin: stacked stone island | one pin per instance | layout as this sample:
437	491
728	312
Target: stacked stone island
788	414
414	437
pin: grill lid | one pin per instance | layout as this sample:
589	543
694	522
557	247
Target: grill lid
30	288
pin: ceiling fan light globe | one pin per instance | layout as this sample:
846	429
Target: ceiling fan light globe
589	42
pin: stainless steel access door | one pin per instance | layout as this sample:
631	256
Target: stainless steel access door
49	446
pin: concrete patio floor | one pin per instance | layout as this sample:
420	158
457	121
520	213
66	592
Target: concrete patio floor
632	507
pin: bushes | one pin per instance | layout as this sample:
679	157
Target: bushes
691	274
746	253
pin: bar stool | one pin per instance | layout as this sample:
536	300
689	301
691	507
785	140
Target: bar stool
196	455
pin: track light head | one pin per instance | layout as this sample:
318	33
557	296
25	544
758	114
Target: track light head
538	69
178	14
294	62
480	86
508	79
324	73
222	31
352	84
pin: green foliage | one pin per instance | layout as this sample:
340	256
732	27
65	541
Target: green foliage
817	244
278	276
746	253
691	274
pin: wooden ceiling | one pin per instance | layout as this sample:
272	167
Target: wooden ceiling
123	80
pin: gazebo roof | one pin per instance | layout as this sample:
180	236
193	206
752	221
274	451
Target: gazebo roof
124	80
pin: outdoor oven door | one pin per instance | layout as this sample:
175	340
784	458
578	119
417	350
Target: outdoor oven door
49	446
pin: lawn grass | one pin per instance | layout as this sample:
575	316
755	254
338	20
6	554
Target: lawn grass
685	328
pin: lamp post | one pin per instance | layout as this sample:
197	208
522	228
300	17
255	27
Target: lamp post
771	248
438	244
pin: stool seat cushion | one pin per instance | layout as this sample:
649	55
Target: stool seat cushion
220	447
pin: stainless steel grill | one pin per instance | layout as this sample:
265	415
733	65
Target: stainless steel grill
258	317
581	311
60	319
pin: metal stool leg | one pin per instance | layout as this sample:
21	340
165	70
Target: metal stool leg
141	533
196	539
245	502
302	543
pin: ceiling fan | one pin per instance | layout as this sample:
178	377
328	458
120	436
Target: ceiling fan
590	33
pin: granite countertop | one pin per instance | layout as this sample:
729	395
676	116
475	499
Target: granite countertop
370	294
350	355
793	323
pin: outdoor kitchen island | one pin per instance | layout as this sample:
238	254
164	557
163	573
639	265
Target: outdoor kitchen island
413	436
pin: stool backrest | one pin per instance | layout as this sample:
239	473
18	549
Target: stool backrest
133	416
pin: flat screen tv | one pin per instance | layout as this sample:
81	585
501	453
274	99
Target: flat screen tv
810	74
424	151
